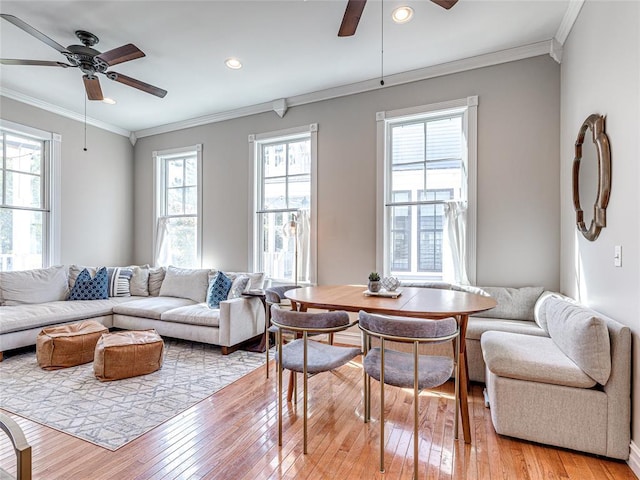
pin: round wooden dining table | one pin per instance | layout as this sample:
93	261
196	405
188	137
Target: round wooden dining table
433	303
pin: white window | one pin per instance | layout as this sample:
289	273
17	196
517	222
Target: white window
426	175
29	226
178	207
284	216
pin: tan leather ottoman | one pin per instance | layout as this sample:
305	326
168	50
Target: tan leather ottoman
65	346
127	354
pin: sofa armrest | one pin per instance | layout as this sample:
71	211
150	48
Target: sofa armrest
240	319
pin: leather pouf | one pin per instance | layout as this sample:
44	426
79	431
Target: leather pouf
65	346
127	354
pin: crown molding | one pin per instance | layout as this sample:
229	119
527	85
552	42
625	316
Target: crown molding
471	63
486	60
570	17
49	107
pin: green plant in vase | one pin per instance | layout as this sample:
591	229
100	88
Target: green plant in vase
374	282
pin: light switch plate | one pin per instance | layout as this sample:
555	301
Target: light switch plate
617	256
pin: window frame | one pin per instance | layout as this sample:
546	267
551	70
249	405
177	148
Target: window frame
160	189
469	108
256	141
50	187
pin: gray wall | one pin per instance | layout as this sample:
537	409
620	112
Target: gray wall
518	187
601	74
97	186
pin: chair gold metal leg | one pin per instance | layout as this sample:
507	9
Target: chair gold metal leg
382	405
279	335
304	391
267	321
415	410
367	381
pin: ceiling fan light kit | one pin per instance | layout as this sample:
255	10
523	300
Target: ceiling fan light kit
89	60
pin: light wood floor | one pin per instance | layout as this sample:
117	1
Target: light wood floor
233	435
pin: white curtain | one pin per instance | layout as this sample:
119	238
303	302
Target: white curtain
454	243
304	244
161	257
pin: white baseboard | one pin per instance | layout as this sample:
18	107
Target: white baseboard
348	338
634	458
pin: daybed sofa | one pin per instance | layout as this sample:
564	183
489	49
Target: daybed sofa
171	300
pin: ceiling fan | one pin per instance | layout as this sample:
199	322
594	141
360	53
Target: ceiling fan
354	11
89	60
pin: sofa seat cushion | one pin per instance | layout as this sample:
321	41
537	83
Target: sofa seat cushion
151	307
198	314
478	325
24	317
531	358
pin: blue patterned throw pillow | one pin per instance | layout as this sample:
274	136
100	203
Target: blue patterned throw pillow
218	290
87	288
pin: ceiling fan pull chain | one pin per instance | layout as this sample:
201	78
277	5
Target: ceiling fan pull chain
85	122
382	42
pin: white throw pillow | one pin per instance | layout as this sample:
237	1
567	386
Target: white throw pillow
238	286
185	283
156	277
34	286
139	284
256	280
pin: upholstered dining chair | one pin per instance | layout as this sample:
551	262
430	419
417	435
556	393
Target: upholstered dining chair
406	370
308	356
274	296
20	446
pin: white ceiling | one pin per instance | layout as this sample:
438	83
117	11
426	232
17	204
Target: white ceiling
288	48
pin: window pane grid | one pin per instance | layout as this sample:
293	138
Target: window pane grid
424	171
179	208
284	188
23	214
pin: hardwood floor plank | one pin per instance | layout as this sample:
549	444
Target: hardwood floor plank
233	435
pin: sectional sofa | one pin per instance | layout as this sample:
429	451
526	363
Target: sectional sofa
171	300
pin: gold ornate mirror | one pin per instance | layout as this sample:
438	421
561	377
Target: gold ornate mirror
592	177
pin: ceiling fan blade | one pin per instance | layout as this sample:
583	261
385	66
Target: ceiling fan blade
140	85
121	54
40	63
351	17
92	86
445	3
32	31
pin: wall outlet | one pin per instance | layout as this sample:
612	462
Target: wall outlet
617	256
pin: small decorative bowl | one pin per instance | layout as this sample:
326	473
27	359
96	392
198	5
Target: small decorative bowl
390	283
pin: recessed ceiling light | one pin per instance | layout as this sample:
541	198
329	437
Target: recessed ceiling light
402	14
109	101
233	63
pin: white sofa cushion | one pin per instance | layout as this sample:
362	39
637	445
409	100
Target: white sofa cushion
24	317
185	283
34	286
531	358
198	314
513	303
581	335
151	307
476	326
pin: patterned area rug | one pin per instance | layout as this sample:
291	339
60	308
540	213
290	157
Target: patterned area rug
112	414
